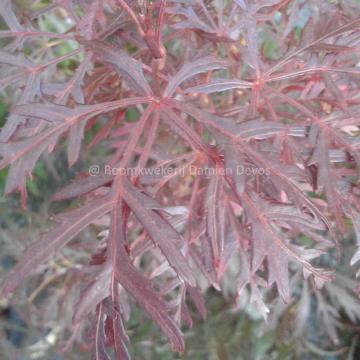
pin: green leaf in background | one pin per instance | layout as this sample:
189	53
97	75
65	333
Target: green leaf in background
132	115
4	172
39	175
3	112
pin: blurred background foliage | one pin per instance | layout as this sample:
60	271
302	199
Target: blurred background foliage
232	331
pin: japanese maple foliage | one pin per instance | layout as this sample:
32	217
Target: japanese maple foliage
257	148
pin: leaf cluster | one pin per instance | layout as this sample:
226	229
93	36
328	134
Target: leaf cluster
249	108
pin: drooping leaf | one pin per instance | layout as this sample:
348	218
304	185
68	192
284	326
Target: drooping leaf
167	239
134	283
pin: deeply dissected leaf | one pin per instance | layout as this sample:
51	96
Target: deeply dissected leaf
136	284
272	245
216	219
191	69
81	186
70	225
167	239
129	68
23	154
93	295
